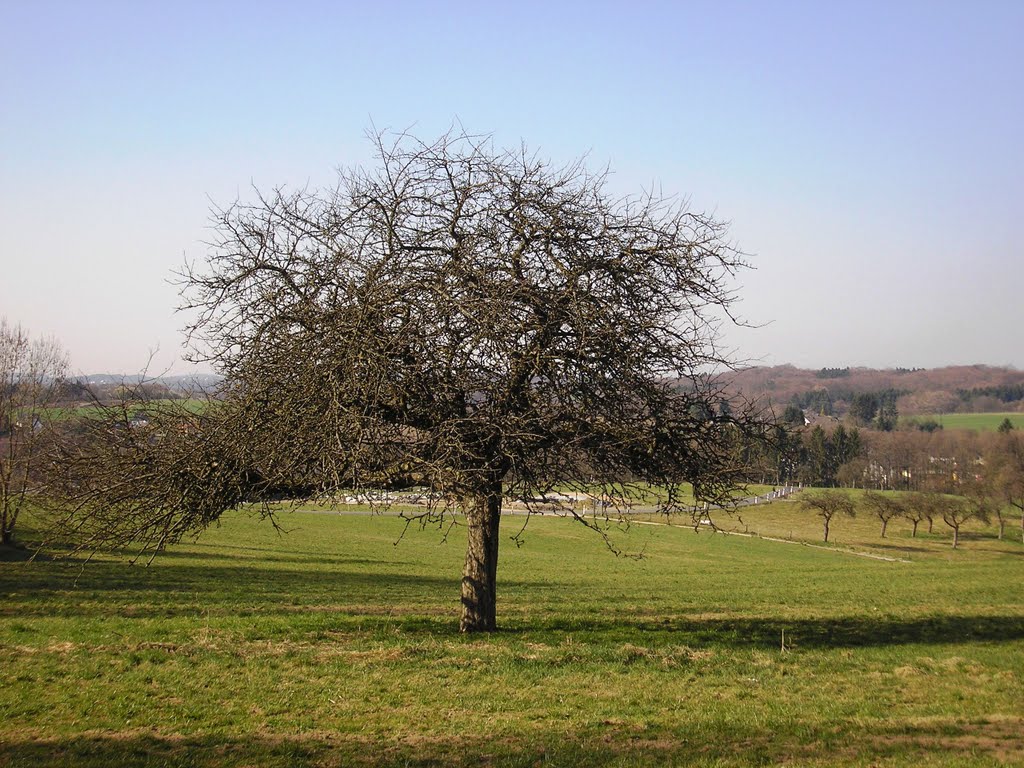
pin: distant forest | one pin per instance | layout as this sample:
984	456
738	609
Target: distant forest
856	392
838	391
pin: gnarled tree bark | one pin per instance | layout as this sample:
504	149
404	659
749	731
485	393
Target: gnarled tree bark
480	574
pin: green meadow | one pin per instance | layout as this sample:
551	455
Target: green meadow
335	643
980	422
100	410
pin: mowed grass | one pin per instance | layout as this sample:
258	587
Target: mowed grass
330	645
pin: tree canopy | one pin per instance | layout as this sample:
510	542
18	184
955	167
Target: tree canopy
478	321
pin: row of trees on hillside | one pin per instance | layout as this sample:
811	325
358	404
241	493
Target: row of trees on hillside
987	469
954	511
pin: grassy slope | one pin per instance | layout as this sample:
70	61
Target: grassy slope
331	646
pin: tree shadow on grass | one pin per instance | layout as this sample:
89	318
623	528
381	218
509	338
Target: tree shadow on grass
69	589
601	743
372	594
261	557
16	553
805	633
994	546
908	548
415	602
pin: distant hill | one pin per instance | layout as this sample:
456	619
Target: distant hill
184	384
954	389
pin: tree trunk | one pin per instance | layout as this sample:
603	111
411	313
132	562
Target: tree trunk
8	513
1002	528
885	524
914	534
5	506
956	536
826	530
479	577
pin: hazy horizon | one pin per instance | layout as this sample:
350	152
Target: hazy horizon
209	372
867	155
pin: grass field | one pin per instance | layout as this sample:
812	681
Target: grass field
333	646
981	422
94	411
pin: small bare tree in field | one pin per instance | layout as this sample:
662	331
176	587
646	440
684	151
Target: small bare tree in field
917	510
828	504
990	492
964	493
954	511
31	370
958	511
1005	472
885	507
478	321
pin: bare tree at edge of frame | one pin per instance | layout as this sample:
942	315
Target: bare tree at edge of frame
478	321
1006	473
31	371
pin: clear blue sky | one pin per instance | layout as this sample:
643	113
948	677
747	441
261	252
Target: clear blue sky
870	156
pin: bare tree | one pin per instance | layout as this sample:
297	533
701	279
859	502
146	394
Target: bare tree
994	498
477	321
828	504
960	493
31	371
885	507
916	510
954	511
957	511
1005	472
